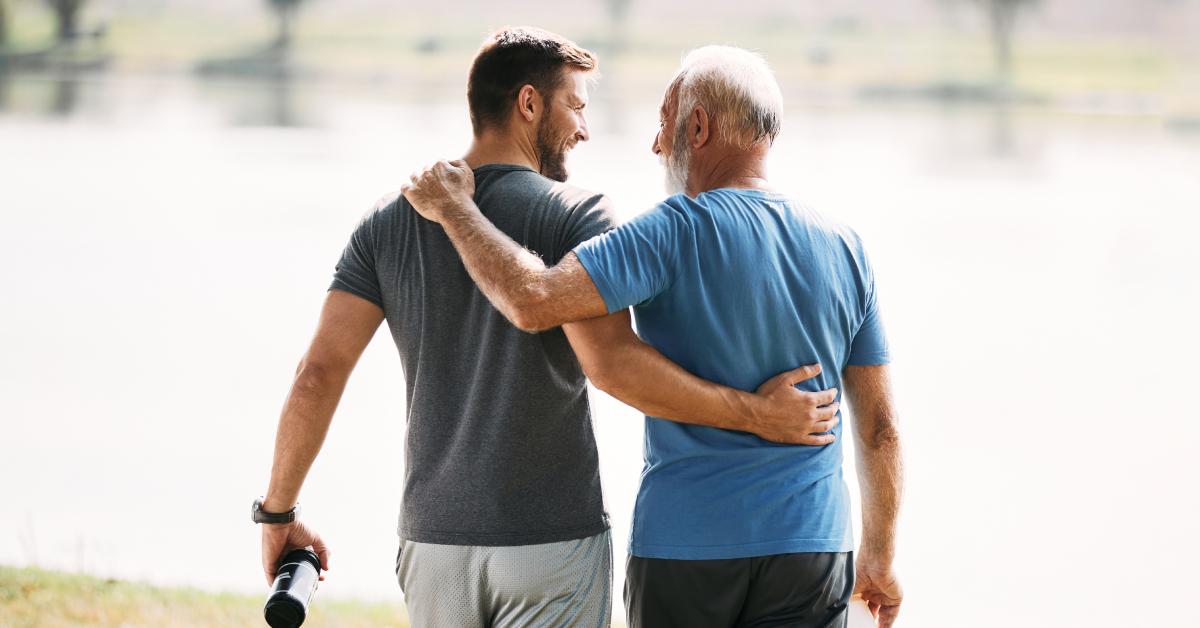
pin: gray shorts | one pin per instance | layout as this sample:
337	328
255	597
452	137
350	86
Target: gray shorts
568	583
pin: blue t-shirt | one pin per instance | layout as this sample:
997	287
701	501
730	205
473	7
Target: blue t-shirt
737	286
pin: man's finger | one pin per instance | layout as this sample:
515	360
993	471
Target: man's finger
818	440
789	378
824	397
826	413
808	371
269	571
825	426
322	551
887	615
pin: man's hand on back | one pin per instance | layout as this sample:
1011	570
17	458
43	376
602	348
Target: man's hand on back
442	191
792	416
279	538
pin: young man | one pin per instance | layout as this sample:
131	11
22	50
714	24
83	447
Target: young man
731	280
502	521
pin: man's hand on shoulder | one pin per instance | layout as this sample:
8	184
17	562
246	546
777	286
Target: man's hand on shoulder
442	191
279	538
792	416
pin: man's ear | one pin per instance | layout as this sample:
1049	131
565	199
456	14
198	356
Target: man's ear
529	103
699	127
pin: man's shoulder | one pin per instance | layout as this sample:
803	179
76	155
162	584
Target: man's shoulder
574	198
388	205
577	207
387	212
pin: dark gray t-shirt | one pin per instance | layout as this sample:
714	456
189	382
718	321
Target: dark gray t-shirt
500	448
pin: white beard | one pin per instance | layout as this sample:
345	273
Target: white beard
675	172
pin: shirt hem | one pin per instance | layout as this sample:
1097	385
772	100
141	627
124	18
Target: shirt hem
744	550
869	359
501	539
590	266
341	285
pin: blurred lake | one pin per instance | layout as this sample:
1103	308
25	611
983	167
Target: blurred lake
166	243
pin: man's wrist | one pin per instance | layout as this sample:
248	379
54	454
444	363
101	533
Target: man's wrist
874	555
748	410
260	513
273	504
456	211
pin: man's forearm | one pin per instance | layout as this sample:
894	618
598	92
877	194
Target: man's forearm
881	479
517	282
880	459
509	275
302	428
647	380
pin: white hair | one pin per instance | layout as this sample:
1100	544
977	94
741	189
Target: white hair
737	90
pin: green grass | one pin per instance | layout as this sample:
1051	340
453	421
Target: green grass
36	597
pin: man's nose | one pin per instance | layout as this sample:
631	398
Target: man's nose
654	143
581	130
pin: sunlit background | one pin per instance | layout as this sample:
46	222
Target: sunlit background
178	177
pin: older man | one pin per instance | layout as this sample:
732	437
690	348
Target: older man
733	281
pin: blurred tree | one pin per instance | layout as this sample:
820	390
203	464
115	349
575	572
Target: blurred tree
66	18
618	24
618	10
1002	17
285	10
3	24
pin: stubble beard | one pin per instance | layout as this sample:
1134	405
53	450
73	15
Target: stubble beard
552	155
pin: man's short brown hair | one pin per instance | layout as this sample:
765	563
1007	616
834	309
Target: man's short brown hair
512	58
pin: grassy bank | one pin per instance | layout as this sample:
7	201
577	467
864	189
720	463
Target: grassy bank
35	597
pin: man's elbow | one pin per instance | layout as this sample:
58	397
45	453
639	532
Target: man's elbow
605	374
528	321
317	377
885	436
532	312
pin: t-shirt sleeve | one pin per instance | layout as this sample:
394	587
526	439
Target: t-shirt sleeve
636	261
355	270
869	346
587	220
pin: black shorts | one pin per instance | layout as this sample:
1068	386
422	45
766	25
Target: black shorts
810	590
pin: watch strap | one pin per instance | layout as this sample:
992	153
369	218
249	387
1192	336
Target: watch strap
261	516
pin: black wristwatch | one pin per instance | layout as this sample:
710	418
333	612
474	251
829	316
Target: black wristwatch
261	516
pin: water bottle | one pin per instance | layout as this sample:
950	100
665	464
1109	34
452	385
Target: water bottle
295	583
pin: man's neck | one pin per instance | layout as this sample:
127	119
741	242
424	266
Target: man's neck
494	147
741	170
